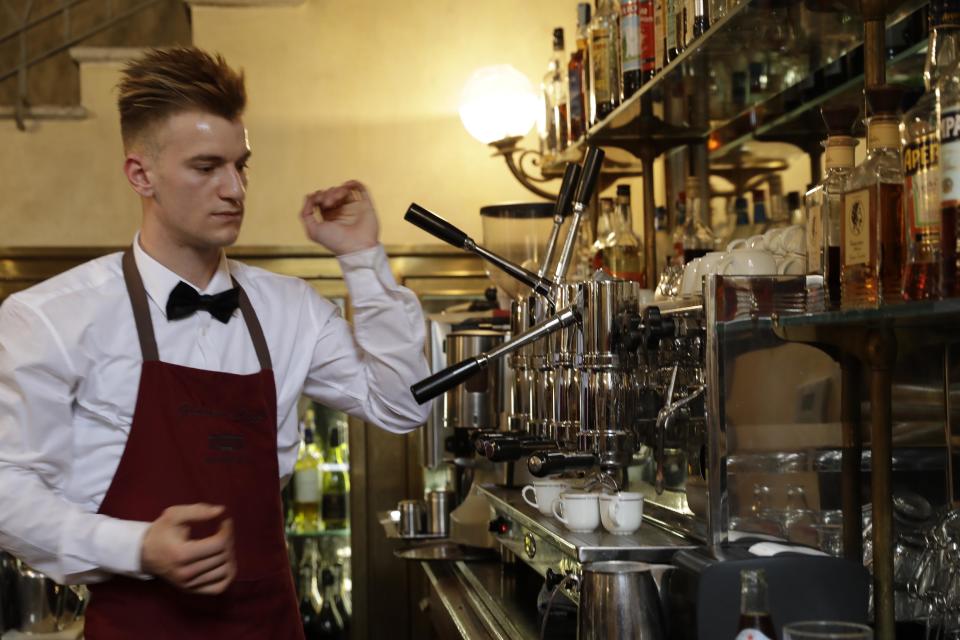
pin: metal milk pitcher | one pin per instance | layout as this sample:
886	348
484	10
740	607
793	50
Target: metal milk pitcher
619	599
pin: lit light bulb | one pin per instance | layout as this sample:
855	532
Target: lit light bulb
498	102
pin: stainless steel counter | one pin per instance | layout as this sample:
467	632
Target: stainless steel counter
480	600
649	544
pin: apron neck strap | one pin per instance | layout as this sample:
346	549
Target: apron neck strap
141	315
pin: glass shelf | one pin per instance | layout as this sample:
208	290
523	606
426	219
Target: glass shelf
329	533
760	72
926	313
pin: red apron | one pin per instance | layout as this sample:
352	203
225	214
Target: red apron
201	436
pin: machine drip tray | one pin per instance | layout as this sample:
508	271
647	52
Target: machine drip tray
544	542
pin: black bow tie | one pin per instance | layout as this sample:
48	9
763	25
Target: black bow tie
184	301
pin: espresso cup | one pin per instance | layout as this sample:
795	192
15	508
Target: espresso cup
690	284
710	262
793	240
543	493
792	264
748	262
758	242
621	513
737	245
580	512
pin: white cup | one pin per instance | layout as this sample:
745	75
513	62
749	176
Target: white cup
791	264
748	262
621	513
757	242
580	512
690	284
710	262
544	492
737	245
793	240
771	240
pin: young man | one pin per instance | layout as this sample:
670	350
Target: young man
148	399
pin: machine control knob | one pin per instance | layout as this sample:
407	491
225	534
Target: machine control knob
628	332
499	525
554	578
656	327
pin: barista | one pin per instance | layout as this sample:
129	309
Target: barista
148	398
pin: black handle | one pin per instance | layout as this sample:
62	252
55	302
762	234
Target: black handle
430	388
435	225
589	175
543	464
510	449
571	177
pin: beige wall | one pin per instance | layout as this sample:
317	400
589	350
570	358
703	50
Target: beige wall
364	89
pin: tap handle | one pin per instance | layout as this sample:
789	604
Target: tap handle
444	380
545	463
436	226
571	178
588	176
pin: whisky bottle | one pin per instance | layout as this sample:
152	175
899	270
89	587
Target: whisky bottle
921	162
824	202
554	88
622	257
872	230
577	80
604	52
947	66
630	41
648	46
306	483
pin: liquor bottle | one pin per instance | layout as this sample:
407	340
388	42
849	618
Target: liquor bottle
309	615
604	235
948	112
659	35
921	163
330	624
661	228
824	202
554	88
698	239
630	42
578	76
648	43
673	19
695	20
604	52
742	227
339	600
755	622
796	214
680	220
336	484
872	231
306	484
760	221
622	258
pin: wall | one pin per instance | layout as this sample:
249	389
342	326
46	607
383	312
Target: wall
365	89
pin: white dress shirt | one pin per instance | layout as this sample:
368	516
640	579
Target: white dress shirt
70	367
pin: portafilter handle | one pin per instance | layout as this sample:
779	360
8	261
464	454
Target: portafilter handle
545	463
588	181
444	380
571	177
440	228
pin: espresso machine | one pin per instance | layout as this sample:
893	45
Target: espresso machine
678	400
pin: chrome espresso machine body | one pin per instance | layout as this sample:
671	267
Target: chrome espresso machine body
730	433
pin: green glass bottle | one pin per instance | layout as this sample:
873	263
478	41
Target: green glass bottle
336	482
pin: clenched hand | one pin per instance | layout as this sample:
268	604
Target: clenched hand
206	566
342	219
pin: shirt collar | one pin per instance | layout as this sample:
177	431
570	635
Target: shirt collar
159	281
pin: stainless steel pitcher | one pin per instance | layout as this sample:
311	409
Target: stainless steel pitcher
620	599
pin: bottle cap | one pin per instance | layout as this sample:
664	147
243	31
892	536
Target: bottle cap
558	39
839	119
884	100
623	190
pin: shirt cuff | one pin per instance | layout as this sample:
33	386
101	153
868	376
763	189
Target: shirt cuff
367	273
114	546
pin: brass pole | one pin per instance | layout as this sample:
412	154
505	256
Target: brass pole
881	351
874	42
851	456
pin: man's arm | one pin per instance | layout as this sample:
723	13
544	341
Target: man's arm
367	372
37	523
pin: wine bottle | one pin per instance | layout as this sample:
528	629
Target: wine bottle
306	485
330	625
336	483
